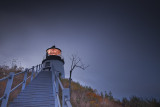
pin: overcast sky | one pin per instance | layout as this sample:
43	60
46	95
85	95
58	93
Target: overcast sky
119	40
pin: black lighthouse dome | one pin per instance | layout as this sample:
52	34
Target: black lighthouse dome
53	53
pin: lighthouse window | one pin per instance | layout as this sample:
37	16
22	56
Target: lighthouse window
47	64
54	52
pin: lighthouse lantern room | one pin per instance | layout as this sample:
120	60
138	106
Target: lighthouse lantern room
54	59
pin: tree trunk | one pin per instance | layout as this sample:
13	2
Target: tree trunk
70	79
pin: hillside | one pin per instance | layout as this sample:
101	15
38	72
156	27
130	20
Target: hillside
4	71
84	96
81	96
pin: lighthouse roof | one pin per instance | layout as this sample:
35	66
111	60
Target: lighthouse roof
53	47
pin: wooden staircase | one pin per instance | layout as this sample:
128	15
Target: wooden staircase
39	93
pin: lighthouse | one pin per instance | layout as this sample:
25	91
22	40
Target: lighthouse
54	60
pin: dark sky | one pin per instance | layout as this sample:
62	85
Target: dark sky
119	40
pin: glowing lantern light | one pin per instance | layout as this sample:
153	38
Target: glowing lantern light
54	51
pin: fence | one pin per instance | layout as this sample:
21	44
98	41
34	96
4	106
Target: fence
34	71
65	91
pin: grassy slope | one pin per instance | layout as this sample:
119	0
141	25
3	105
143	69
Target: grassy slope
4	71
87	97
81	96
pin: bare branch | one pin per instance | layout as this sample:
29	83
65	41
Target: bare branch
76	63
72	63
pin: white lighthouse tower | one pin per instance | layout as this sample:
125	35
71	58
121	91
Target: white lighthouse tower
54	60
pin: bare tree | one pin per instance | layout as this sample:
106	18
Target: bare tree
76	63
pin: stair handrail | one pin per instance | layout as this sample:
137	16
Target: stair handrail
10	78
65	91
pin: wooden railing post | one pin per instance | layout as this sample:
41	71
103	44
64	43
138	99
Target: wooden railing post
65	95
24	79
8	89
32	73
57	84
65	91
53	82
54	86
36	70
57	88
39	67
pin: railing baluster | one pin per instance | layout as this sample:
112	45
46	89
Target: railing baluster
8	89
24	79
65	95
68	103
57	89
54	87
53	81
56	101
32	73
36	70
57	83
41	66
